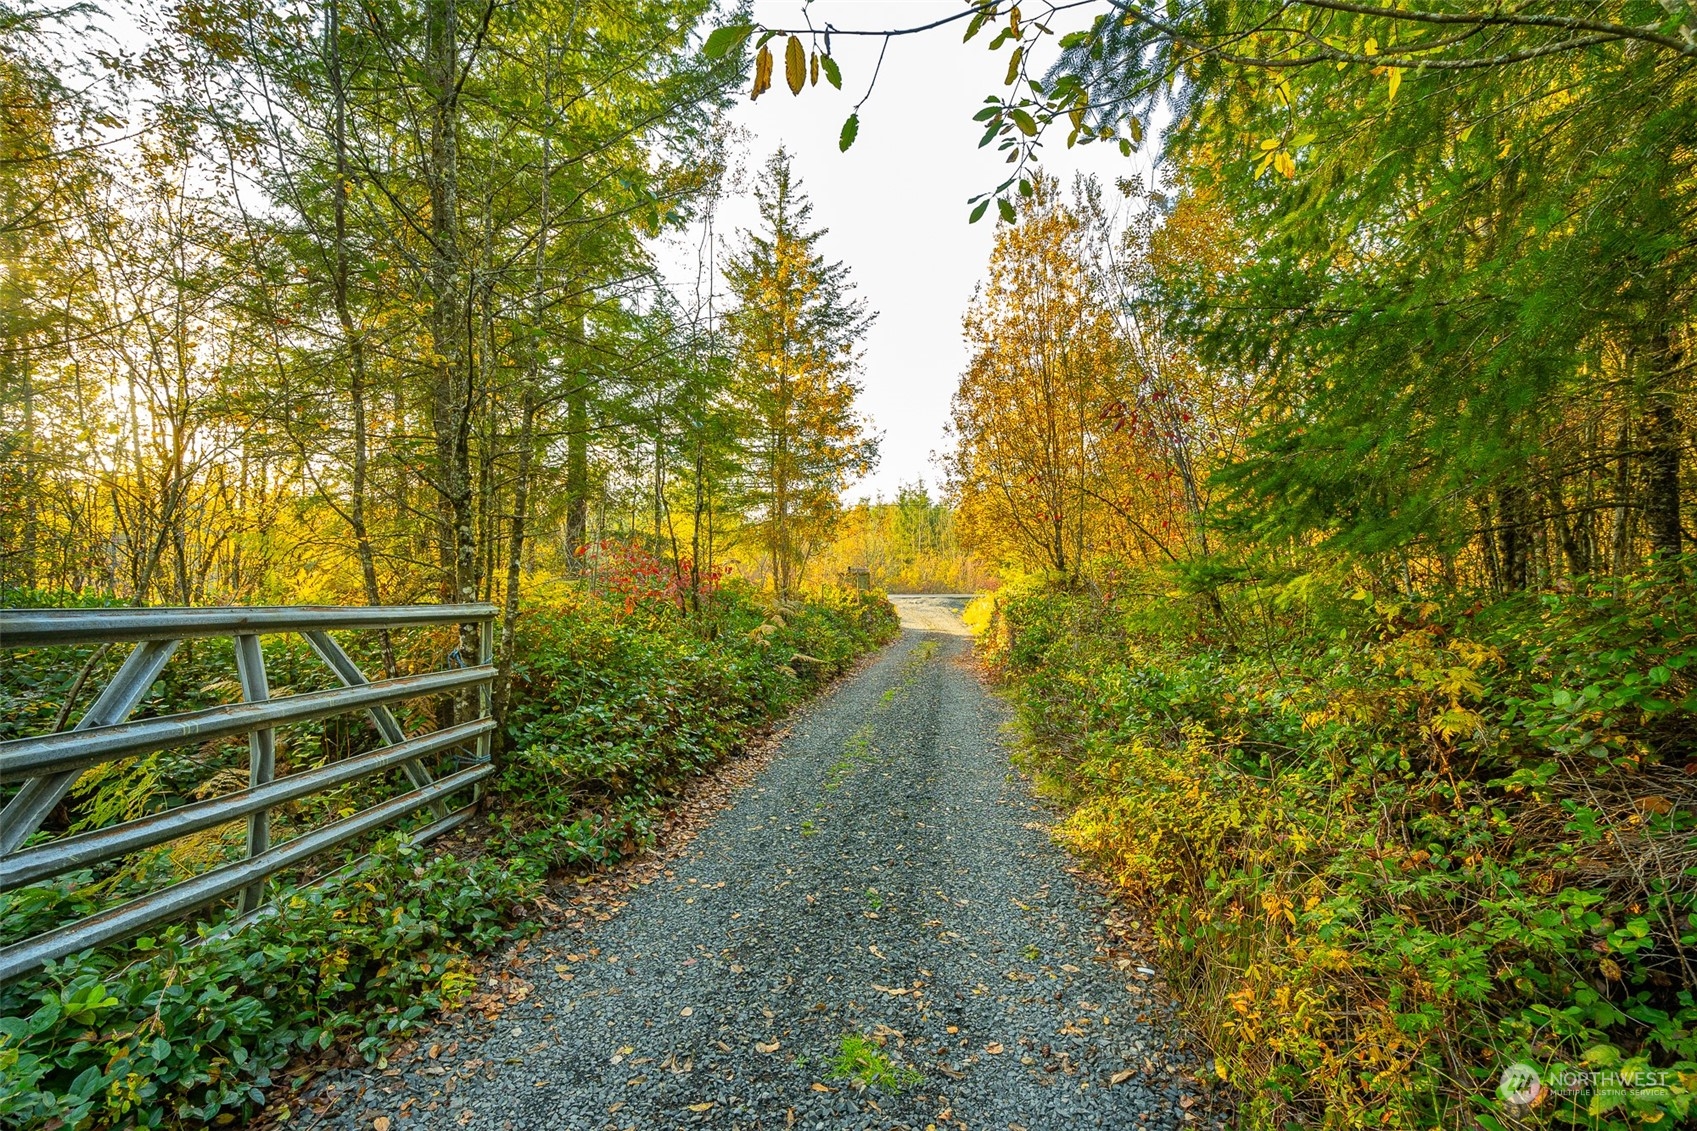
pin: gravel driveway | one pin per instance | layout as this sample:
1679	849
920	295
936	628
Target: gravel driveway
878	932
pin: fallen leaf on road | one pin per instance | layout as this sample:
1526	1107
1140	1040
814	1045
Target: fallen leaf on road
1122	1077
897	991
701	1106
381	1123
771	1048
994	1048
820	1088
686	1011
1187	1102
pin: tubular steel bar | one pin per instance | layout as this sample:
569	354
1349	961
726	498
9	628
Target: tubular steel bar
381	717
262	754
44	861
77	750
161	906
48	765
31	804
35	628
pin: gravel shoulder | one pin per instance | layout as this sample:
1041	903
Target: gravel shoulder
886	885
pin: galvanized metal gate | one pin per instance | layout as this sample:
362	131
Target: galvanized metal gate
48	765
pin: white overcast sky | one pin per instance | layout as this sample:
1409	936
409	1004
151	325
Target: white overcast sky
895	203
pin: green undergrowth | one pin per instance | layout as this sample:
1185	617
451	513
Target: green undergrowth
1390	845
616	706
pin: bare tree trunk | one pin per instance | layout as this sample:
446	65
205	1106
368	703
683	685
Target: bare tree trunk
577	439
1620	536
452	402
351	334
1572	545
1665	440
515	556
28	535
1514	546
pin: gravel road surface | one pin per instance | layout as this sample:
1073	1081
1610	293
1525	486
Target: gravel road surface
877	933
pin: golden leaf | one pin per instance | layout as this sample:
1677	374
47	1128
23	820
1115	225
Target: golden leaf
762	72
795	64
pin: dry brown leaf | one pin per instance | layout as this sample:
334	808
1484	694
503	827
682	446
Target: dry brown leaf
994	1048
701	1106
817	1087
381	1123
767	1048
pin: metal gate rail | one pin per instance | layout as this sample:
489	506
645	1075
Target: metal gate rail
48	765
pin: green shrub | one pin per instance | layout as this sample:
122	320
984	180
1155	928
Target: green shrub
1390	846
181	1028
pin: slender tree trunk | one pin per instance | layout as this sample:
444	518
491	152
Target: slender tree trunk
452	399
1488	545
1572	545
30	486
1620	534
1514	546
1665	439
515	555
351	333
695	530
577	438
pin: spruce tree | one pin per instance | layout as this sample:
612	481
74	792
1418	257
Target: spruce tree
797	330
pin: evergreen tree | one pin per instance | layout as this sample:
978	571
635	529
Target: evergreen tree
797	331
